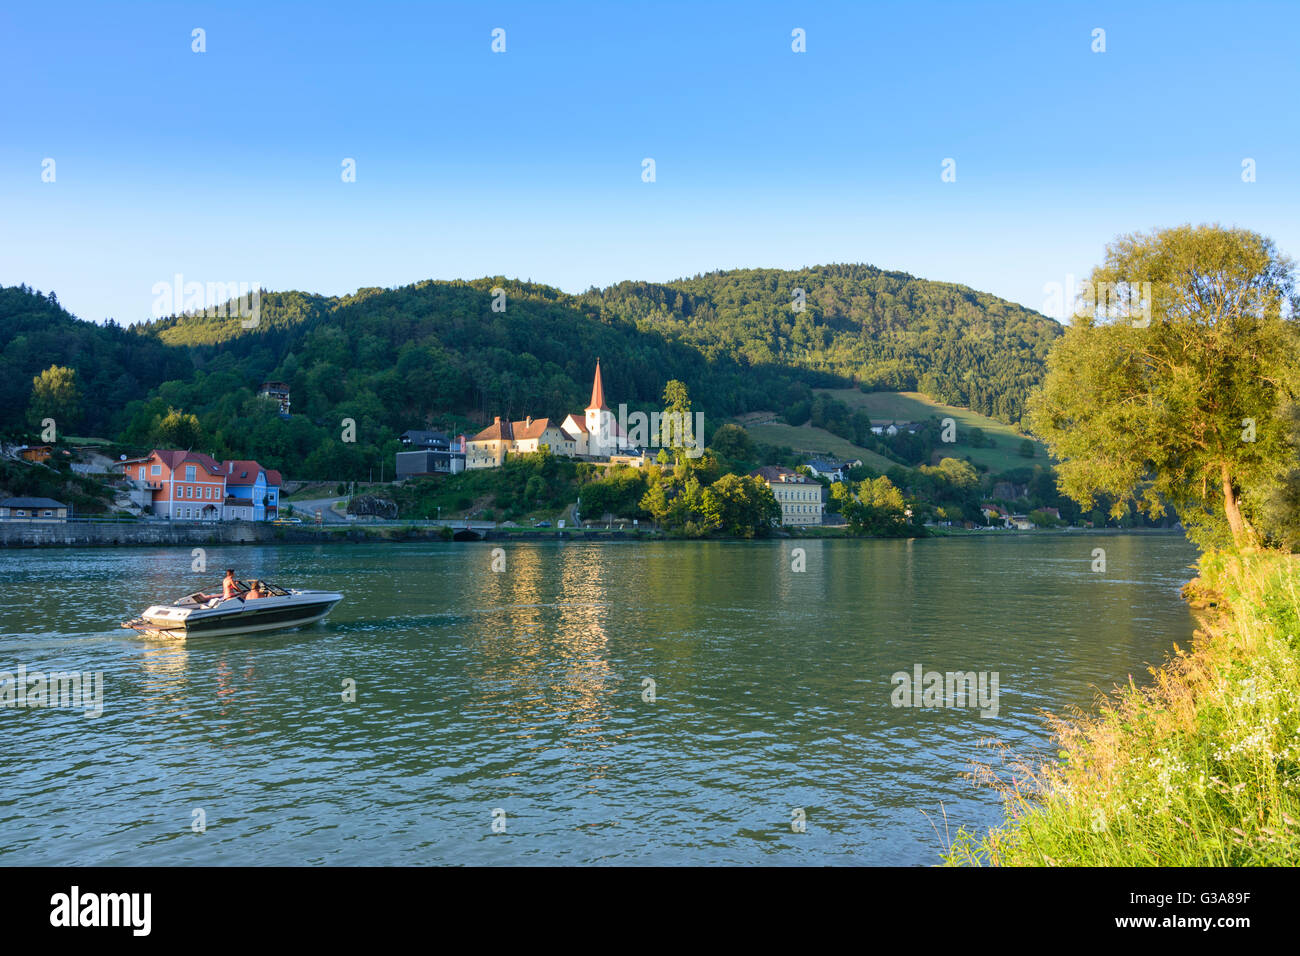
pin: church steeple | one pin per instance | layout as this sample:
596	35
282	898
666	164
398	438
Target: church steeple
597	391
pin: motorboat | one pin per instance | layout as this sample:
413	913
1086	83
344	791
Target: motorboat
208	614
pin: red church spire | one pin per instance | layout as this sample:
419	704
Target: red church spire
597	390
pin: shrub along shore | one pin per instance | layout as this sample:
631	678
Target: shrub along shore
1201	768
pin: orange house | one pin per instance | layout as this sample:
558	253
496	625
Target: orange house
40	453
184	485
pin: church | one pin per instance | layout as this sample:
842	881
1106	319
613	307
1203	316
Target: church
595	434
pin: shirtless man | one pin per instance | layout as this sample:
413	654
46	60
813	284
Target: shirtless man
229	587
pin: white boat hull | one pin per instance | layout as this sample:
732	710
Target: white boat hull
236	616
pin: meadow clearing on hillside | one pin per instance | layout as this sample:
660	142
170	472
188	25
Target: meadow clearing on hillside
916	407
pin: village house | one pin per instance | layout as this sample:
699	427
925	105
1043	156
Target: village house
277	392
532	433
33	509
35	453
191	486
417	440
890	429
489	447
187	485
429	453
832	470
252	492
994	515
802	499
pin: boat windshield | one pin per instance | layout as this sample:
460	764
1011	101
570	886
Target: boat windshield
268	589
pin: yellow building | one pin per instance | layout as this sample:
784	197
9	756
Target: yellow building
800	497
489	447
532	433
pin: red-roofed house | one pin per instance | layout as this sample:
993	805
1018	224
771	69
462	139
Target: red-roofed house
192	486
185	485
531	433
252	492
488	448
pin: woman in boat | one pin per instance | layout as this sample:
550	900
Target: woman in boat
255	591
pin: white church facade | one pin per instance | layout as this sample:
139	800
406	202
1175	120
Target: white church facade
594	434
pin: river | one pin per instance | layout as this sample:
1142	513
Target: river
509	716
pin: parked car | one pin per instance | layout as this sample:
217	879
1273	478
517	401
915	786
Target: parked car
542	524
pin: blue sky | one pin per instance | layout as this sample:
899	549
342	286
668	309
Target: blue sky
225	165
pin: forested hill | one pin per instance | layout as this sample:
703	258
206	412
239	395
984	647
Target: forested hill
439	353
114	364
887	330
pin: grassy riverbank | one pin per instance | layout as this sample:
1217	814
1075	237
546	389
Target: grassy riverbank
1201	768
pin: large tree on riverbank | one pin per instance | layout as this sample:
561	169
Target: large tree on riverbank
1172	383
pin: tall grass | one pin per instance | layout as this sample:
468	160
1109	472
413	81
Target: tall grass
1201	768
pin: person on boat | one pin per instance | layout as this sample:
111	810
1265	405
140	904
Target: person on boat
229	588
255	591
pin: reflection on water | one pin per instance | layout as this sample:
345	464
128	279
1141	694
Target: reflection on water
523	690
164	680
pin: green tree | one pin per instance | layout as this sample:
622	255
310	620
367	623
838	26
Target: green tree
742	506
56	394
176	429
733	442
1043	519
1280	509
655	501
1184	401
841	495
619	492
879	509
961	474
688	502
676	420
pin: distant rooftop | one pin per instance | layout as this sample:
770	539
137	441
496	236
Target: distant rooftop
31	503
